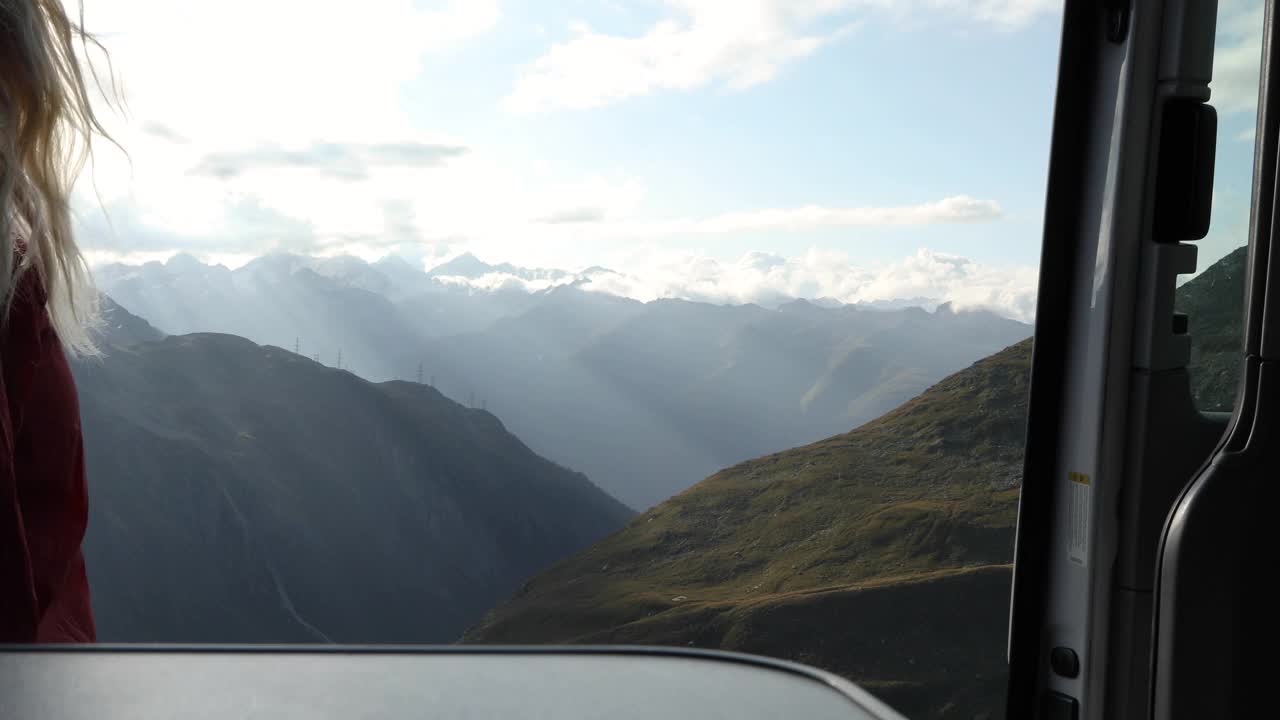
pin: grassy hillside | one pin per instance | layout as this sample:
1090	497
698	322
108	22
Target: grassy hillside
881	554
780	555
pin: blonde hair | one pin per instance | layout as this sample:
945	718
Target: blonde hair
47	125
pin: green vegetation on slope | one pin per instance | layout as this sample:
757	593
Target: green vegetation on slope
771	553
880	554
1214	302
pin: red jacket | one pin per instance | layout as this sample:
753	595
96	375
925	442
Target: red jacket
44	592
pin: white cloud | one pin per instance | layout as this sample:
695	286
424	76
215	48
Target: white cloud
235	71
104	257
505	281
767	278
269	205
593	224
737	44
274	134
345	161
734	44
1236	72
521	234
254	126
957	209
1003	14
1237	56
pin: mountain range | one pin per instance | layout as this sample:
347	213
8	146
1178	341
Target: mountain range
244	493
882	553
644	398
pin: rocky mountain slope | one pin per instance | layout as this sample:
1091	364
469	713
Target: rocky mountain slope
242	493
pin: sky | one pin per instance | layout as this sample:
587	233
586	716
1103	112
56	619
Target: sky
727	150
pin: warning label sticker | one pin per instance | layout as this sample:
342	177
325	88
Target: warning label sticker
1079	507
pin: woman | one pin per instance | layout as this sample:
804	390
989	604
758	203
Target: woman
46	306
